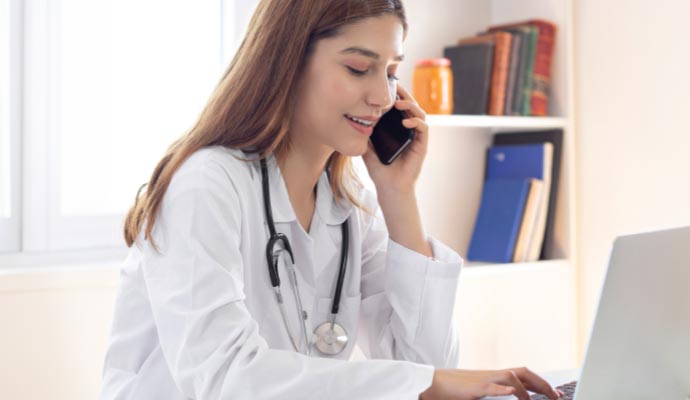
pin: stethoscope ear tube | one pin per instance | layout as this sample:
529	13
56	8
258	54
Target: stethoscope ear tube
343	264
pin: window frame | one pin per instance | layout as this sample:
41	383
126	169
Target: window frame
35	226
10	227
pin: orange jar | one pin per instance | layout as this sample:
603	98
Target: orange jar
432	85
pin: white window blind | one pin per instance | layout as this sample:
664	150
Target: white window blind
109	85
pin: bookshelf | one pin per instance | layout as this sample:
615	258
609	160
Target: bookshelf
508	123
521	314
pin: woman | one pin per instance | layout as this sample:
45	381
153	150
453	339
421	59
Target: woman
199	314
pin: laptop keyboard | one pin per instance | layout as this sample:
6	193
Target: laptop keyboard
568	389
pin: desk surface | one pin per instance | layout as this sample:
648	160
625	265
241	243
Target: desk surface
555	378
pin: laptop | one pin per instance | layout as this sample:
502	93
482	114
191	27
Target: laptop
639	347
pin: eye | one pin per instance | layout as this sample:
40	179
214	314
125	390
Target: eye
357	72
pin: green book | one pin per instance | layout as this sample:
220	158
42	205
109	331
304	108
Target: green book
532	36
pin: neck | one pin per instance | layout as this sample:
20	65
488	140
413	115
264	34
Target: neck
301	170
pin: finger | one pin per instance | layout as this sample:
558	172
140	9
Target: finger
411	108
421	129
536	383
403	93
513	380
416	123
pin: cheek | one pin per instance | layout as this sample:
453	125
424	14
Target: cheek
339	93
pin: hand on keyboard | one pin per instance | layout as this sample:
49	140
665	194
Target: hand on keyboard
568	392
472	385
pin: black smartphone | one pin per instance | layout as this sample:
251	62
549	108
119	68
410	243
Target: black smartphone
390	137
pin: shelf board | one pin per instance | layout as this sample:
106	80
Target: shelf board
492	268
500	122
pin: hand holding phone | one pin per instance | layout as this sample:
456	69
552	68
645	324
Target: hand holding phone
390	137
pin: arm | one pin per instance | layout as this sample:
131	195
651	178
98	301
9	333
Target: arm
407	300
403	221
207	335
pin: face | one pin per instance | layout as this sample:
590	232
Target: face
351	75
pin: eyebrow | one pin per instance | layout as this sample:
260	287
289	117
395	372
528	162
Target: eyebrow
368	53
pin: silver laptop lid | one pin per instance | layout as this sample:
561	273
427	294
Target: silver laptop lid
640	342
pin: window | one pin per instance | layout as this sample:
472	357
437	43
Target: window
5	189
107	86
9	145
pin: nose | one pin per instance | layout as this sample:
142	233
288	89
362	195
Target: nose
382	95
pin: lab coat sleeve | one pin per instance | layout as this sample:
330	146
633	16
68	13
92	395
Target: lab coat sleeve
408	299
209	339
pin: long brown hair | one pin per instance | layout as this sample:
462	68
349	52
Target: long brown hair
250	107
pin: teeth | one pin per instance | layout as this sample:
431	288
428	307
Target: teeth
360	121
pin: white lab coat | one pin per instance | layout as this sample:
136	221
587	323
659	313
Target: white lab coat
200	319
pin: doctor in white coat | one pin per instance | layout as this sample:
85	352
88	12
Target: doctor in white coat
199	311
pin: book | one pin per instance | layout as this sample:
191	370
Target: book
471	68
541	74
523	162
526	90
498	220
512	72
521	33
499	70
555	137
529	220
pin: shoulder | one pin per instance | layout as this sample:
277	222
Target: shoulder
213	168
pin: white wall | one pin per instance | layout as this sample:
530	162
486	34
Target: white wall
633	120
55	325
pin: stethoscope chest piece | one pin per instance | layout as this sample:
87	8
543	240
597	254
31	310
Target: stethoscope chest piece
330	338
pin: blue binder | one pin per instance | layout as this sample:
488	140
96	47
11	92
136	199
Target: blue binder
520	162
498	221
516	161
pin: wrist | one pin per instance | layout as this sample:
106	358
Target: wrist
391	199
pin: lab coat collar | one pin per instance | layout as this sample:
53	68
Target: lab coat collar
330	211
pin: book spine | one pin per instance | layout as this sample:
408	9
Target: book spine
499	74
512	72
529	71
516	107
542	68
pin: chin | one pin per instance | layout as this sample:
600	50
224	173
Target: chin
353	149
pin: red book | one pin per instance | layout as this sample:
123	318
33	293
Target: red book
542	63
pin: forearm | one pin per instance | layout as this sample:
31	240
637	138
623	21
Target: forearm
403	221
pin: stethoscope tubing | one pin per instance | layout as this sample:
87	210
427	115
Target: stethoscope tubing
272	260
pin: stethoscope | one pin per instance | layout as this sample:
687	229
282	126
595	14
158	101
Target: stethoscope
330	338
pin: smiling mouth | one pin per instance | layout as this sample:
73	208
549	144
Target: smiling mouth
360	121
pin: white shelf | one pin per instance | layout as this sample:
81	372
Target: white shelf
499	122
492	268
